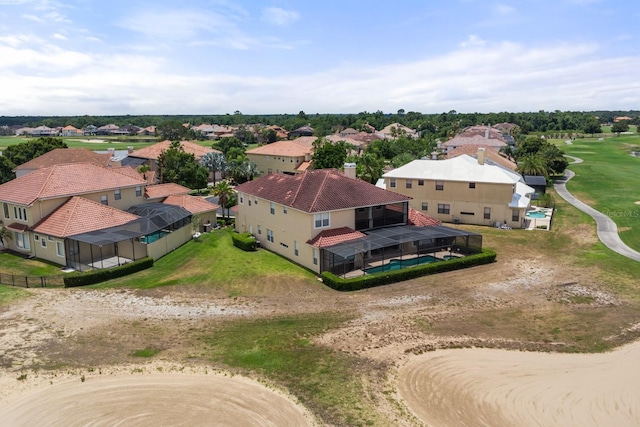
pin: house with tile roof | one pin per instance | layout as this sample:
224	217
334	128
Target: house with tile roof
491	155
327	220
60	156
71	131
463	190
394	130
289	156
80	214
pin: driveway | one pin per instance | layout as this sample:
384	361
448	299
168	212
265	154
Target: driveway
607	229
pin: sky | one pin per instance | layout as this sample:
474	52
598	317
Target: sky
116	57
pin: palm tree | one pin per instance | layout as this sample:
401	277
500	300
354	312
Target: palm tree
214	162
5	234
143	169
532	164
223	192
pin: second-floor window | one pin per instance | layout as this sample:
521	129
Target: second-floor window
6	210
272	208
392	183
439	185
19	213
321	220
138	191
117	196
104	199
409	183
472	185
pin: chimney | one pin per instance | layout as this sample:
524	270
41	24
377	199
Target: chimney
481	155
350	170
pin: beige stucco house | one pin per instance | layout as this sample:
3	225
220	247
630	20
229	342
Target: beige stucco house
328	221
287	157
463	190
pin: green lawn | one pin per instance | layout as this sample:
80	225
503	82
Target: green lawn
608	181
214	261
15	264
9	294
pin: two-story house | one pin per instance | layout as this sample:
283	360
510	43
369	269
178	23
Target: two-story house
463	190
328	221
287	157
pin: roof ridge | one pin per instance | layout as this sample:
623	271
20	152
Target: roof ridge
70	217
45	181
319	192
295	196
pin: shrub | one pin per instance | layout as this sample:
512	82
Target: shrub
97	276
487	256
244	241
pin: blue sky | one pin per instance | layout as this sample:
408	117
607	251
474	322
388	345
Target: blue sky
283	56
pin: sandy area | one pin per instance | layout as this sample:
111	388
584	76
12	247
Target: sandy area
507	388
175	399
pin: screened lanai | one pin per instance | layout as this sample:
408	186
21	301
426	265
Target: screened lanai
398	247
125	243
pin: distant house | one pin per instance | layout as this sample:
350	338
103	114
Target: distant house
325	220
71	131
347	133
41	131
289	156
149	155
394	130
301	131
148	131
109	129
491	155
463	190
281	132
622	119
23	131
475	140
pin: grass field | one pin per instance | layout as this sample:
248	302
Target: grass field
96	144
608	181
9	294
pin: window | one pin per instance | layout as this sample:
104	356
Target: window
249	201
138	191
241	199
43	242
272	208
487	213
421	182
515	215
270	235
409	183
284	210
22	241
267	158
439	185
321	220
60	249
255	201
425	206
49	238
104	200
6	210
315	256
443	208
19	213
259	229
117	196
392	183
36	237
295	247
472	185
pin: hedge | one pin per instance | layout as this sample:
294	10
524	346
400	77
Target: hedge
487	256
97	276
244	241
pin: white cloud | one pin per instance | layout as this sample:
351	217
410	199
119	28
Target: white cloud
279	16
59	36
473	41
504	9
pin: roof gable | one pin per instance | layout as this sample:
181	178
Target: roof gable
191	203
319	190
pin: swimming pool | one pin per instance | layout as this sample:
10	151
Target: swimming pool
536	214
397	264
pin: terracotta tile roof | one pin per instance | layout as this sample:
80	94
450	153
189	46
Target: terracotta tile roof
165	190
421	220
191	203
153	151
334	236
490	153
128	171
295	148
64	180
79	215
482	131
18	227
474	140
319	190
60	156
304	166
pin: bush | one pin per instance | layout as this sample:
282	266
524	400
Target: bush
97	276
487	256
244	241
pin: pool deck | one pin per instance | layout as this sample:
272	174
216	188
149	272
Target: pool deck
360	272
534	223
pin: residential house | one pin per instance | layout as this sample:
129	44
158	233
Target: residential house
200	208
23	131
463	190
538	183
474	140
281	132
148	131
71	131
301	131
85	216
42	131
394	130
149	155
109	129
60	156
289	156
325	220
347	133
491	155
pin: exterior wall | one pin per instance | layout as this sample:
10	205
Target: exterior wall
466	204
128	197
134	251
207	218
48	252
288	228
275	164
170	242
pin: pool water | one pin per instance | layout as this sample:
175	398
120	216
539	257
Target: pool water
536	214
397	264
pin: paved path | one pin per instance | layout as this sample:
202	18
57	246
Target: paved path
607	229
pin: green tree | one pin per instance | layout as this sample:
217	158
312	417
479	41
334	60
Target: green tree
143	169
532	164
176	165
619	127
330	155
592	126
25	151
6	170
223	192
554	159
225	144
172	129
402	159
369	167
5	234
214	162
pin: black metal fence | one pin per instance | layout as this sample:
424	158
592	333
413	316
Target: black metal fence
31	281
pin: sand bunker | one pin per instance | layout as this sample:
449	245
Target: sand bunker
154	399
506	388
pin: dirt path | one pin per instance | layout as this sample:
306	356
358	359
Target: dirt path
506	388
